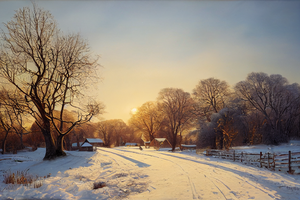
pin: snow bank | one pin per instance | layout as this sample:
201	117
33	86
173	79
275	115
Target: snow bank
72	177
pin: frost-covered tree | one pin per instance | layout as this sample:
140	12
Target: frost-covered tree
274	98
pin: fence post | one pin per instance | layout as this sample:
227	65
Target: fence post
274	160
290	157
260	155
233	155
268	160
242	157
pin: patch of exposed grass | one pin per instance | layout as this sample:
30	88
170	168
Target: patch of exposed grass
20	177
23	178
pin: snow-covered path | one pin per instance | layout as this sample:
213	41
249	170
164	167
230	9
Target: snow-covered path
130	173
179	176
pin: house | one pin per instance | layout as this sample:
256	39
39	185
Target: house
86	147
158	143
91	144
96	142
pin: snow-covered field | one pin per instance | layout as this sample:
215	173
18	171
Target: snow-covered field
130	173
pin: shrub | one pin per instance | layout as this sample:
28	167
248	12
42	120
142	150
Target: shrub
22	177
98	185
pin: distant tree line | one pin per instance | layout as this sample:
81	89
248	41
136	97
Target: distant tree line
260	110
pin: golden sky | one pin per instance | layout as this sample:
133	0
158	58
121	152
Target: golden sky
146	46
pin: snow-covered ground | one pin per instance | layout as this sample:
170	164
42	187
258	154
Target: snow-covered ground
130	173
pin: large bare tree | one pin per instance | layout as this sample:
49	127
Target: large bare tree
176	106
147	120
49	69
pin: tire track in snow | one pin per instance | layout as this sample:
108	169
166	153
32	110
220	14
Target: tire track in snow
234	174
225	190
194	191
192	184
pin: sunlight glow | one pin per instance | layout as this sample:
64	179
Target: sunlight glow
133	111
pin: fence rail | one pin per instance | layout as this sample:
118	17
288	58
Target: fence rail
289	162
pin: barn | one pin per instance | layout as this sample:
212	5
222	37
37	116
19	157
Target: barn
91	144
96	142
158	143
86	147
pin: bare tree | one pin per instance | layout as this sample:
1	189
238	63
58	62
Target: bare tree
210	96
176	106
49	69
148	120
111	130
12	112
226	124
274	98
6	118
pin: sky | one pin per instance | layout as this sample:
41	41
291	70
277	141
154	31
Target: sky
145	46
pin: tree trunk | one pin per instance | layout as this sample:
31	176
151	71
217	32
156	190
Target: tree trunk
59	146
4	143
174	141
21	139
50	146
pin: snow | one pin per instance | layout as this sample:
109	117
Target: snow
293	145
160	139
189	145
130	144
94	140
131	173
86	145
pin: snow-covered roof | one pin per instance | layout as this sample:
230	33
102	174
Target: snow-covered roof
86	144
147	142
94	140
160	139
75	144
130	144
188	145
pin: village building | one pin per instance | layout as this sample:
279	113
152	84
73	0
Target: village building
96	142
91	144
86	147
158	143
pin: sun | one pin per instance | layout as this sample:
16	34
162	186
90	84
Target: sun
134	110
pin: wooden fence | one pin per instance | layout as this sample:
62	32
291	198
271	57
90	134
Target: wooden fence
289	162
